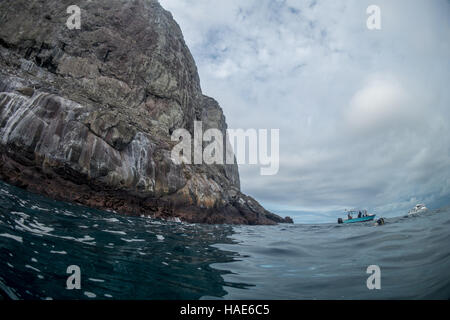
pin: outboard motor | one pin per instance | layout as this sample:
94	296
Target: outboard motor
380	221
340	221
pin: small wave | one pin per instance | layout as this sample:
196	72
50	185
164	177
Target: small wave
39	208
85	240
10	236
58	252
115	232
132	240
36	227
21	214
9	292
90	294
32	268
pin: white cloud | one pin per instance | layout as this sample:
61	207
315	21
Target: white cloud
382	103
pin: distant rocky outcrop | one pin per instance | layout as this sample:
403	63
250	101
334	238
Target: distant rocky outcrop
86	115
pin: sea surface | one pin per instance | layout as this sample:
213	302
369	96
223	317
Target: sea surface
123	257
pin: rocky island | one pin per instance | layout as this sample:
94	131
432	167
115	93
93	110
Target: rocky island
86	115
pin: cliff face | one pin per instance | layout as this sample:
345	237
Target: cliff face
86	115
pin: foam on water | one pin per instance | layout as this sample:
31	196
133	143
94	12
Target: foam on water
10	236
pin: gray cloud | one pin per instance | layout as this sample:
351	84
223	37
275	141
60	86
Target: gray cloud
363	115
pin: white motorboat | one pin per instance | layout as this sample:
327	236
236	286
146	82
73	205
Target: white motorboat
419	208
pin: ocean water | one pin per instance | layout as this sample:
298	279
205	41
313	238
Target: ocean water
139	258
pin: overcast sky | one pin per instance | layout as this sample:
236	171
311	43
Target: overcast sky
363	114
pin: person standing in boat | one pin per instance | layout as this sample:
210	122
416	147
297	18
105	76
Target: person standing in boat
349	216
359	214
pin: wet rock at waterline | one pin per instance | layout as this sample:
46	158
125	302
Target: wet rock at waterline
87	115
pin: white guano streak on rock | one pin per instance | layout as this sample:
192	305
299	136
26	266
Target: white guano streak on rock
23	125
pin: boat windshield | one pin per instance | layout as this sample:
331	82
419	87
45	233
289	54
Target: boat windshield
354	213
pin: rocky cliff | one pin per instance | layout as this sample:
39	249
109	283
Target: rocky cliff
86	115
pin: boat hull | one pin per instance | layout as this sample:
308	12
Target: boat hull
362	219
414	212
